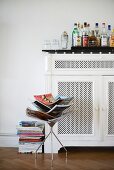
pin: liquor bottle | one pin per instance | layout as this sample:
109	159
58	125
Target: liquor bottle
76	36
79	37
88	30
96	28
64	40
82	29
74	33
103	36
92	40
85	35
112	39
97	34
108	35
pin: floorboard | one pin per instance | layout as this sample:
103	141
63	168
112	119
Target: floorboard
78	159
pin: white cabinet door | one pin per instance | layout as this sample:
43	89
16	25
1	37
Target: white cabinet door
82	123
108	108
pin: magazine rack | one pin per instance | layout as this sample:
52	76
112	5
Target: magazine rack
51	122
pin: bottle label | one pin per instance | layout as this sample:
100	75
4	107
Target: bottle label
103	40
92	43
112	41
74	41
85	40
98	41
78	41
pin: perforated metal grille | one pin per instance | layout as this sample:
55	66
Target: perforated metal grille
59	64
111	108
80	121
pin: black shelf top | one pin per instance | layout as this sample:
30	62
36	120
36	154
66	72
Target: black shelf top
85	50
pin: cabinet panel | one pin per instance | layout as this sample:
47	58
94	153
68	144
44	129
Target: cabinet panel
82	64
109	104
83	119
111	108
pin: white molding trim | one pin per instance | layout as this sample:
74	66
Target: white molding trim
8	134
8	140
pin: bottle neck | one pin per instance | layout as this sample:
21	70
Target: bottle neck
75	27
92	33
103	29
96	30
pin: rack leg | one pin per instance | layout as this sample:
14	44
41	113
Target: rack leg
41	144
51	148
61	144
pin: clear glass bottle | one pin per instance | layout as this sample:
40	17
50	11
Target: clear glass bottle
55	44
97	34
104	36
85	35
88	29
92	40
82	29
64	40
112	39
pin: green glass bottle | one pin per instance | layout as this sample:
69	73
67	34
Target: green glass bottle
74	33
76	36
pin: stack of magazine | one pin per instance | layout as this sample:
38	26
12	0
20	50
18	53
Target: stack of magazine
47	107
31	135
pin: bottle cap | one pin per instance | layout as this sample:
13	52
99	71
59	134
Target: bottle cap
75	24
109	27
65	33
96	24
88	25
103	23
85	23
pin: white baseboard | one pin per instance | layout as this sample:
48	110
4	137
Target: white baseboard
8	140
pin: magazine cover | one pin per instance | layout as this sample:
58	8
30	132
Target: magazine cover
46	99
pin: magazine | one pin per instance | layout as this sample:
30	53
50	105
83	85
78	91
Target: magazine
57	109
49	100
22	128
41	106
27	123
46	99
64	100
38	114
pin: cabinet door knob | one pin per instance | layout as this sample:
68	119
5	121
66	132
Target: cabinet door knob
96	108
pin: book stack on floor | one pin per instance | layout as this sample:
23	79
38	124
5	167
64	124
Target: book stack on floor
31	135
47	107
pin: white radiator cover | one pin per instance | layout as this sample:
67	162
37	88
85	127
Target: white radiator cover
89	78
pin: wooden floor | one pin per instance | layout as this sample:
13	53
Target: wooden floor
78	159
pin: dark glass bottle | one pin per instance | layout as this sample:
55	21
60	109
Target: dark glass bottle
92	41
85	35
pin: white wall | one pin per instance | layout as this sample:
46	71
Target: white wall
24	24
